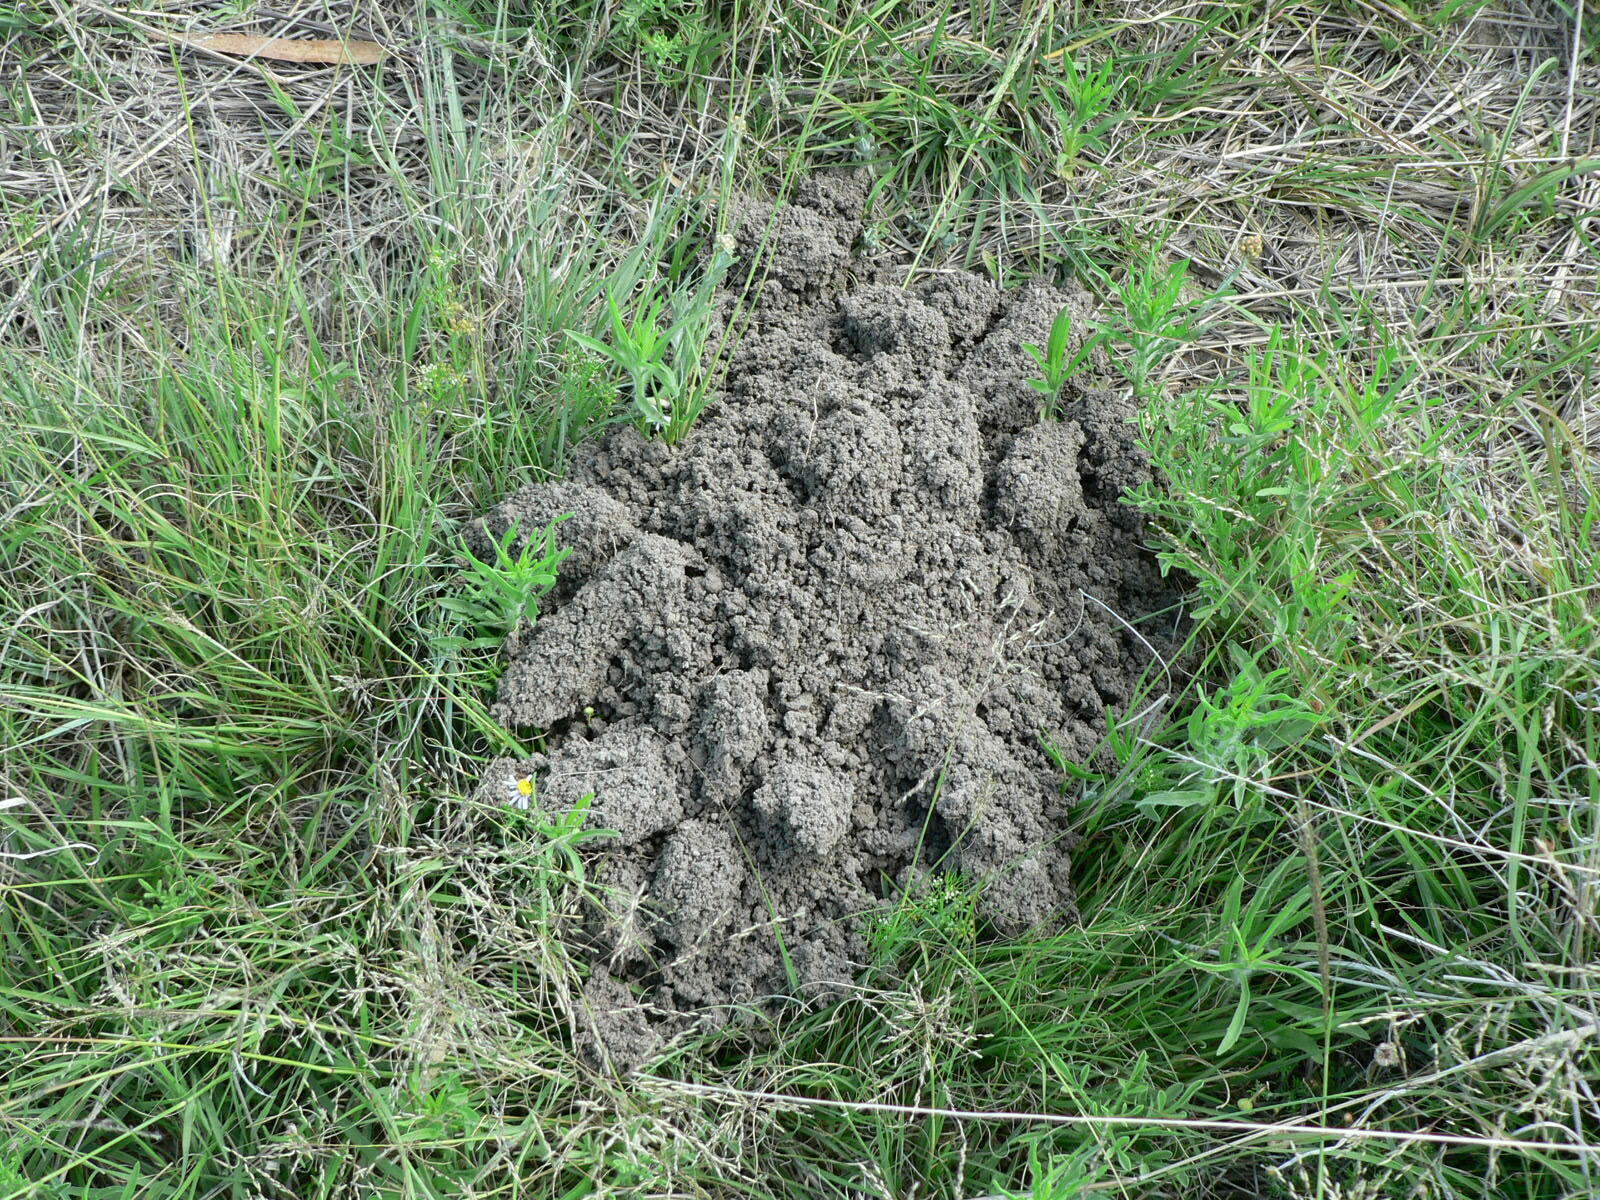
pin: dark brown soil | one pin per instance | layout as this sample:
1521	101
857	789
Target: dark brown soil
814	653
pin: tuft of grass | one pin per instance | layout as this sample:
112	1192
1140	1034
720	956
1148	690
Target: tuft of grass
263	938
658	346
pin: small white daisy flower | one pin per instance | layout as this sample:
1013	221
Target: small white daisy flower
520	792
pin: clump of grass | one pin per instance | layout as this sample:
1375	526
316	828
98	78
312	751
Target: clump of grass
263	940
658	345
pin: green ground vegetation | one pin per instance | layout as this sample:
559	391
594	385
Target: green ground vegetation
271	333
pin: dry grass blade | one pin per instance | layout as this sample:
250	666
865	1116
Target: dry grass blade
300	50
1252	1129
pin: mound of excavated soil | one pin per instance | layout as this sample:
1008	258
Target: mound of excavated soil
815	651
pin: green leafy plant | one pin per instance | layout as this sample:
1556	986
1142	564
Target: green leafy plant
498	595
657	346
562	838
1058	362
1081	103
640	347
1248	949
673	36
1156	318
1233	735
940	912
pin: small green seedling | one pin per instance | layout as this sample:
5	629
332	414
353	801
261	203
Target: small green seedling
1055	366
643	348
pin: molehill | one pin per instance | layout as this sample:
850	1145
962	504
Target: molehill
813	654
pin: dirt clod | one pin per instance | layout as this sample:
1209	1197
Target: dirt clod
815	652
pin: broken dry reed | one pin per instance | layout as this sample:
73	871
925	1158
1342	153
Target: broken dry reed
271	331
